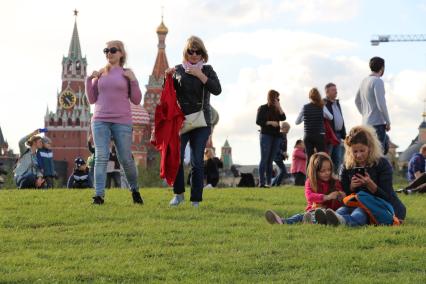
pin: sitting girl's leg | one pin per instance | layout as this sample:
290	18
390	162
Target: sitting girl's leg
273	218
298	218
354	216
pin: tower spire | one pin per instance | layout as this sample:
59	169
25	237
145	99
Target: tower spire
424	110
161	63
75	49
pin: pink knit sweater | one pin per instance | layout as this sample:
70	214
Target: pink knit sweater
110	95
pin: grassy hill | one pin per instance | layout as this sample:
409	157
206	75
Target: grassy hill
59	236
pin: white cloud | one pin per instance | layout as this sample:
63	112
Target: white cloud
312	11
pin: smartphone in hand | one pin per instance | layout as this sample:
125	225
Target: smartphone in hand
359	171
42	130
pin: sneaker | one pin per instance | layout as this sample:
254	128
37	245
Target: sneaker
208	186
320	216
264	186
307	218
137	198
98	200
273	218
177	199
195	204
334	218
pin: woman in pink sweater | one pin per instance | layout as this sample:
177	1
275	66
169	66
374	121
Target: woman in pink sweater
112	89
322	191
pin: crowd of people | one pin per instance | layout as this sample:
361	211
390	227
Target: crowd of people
363	193
326	148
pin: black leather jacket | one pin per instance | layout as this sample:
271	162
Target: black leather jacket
189	90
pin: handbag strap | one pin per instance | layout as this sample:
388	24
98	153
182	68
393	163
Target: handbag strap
202	100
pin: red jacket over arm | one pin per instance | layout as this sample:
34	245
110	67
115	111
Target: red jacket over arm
168	122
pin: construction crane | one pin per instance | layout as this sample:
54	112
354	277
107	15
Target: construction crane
377	39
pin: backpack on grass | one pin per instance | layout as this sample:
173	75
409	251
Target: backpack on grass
379	211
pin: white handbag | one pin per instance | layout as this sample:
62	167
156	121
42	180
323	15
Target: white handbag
194	120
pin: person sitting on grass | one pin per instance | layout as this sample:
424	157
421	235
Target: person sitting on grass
365	169
322	191
212	164
80	177
45	160
27	173
417	164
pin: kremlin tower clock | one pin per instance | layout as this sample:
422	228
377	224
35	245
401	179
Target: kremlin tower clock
69	125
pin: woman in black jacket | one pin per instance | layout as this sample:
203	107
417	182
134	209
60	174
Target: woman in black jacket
194	81
363	151
268	118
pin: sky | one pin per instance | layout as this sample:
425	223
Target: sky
254	46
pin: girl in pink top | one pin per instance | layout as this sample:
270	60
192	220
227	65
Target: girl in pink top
298	163
111	90
322	191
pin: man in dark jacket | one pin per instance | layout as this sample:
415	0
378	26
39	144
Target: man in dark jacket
337	123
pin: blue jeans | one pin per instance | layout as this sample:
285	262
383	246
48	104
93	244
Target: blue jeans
354	216
269	146
336	153
298	218
283	172
122	136
381	134
197	139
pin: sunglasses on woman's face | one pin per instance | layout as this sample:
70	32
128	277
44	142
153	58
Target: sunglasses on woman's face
111	50
194	51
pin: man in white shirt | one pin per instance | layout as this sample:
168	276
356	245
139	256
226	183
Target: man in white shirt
371	102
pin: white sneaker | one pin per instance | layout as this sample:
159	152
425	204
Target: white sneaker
195	204
177	199
334	218
208	186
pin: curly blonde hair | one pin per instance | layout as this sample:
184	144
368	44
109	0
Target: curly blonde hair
365	135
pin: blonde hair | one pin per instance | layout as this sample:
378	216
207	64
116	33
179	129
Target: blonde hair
120	45
315	163
315	97
365	135
32	140
195	42
208	152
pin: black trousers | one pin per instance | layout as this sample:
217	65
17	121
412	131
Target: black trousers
212	180
313	143
299	178
113	177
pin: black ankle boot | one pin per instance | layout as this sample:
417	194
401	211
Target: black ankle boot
98	200
137	198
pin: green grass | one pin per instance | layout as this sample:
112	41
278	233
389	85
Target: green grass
58	236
